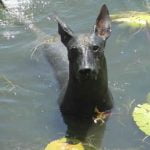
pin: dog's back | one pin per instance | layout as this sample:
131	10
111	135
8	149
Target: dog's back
56	55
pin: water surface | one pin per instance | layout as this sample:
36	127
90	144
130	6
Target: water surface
29	114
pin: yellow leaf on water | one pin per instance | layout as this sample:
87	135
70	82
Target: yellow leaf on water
141	116
133	19
67	144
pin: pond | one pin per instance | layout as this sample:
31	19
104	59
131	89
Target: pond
29	113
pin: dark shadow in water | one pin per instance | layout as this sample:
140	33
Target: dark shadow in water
2	4
84	130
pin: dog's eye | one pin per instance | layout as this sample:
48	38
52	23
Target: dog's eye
95	48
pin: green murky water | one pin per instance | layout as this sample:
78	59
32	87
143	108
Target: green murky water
29	114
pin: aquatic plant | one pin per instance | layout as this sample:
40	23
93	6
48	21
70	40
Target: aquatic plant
133	19
68	144
141	116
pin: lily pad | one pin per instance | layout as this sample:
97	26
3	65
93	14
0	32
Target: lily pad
133	19
141	116
67	144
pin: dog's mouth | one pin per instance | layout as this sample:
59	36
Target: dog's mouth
88	77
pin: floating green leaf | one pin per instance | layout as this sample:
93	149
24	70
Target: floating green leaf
65	144
141	116
133	19
68	144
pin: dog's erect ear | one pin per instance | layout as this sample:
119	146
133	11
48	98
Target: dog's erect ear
103	23
64	31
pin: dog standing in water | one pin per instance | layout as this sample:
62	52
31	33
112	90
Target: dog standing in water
83	75
85	84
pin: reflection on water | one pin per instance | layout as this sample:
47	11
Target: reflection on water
29	114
